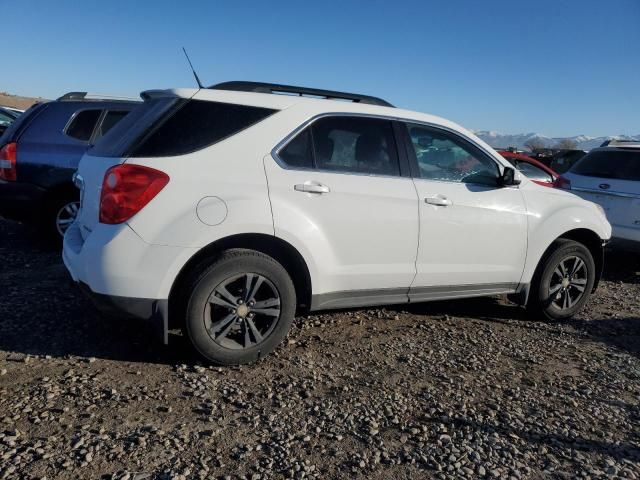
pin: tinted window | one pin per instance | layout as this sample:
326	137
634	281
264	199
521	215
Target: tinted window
6	119
109	121
82	125
298	151
125	135
198	124
532	172
355	144
446	157
616	164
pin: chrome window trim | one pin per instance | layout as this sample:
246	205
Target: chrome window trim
606	192
275	151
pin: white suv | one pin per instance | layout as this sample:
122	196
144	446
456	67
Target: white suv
610	177
226	210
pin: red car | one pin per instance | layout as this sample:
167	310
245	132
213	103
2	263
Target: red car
533	169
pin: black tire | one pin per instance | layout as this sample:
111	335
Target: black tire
205	319
556	270
55	209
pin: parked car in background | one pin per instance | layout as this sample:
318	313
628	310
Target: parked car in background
563	160
40	151
14	110
226	210
7	117
534	170
610	177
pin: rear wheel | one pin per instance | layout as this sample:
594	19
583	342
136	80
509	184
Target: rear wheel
58	214
564	280
240	308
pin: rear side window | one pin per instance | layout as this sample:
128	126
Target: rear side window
196	125
109	121
615	164
345	144
82	124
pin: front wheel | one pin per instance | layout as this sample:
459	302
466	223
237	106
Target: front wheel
564	281
240	308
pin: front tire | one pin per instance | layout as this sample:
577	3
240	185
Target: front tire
564	281
240	308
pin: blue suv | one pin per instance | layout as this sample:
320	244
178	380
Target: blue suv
40	151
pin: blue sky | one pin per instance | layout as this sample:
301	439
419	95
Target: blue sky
557	67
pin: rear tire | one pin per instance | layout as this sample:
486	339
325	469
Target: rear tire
58	214
563	281
239	308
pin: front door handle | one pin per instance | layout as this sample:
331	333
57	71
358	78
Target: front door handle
311	187
439	200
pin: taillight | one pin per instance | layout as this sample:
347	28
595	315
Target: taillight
562	182
126	189
8	157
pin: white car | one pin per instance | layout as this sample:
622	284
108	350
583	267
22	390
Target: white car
227	210
610	177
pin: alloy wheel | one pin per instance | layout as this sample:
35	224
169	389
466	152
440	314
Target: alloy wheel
568	283
242	311
66	216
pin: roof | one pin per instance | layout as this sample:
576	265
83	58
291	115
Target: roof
311	106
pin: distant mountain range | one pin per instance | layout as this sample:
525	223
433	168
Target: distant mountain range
584	142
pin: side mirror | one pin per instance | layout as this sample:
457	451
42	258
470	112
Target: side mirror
508	177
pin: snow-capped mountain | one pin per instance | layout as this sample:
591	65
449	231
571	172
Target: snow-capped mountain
584	142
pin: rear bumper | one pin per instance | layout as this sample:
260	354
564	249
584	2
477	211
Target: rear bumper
148	309
20	201
121	273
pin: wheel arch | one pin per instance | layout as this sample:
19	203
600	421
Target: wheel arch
283	252
587	237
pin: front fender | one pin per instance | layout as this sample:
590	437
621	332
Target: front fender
558	216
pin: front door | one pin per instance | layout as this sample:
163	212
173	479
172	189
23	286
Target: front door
473	232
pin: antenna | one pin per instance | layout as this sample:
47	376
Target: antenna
192	69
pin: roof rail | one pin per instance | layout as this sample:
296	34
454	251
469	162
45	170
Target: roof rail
94	96
259	87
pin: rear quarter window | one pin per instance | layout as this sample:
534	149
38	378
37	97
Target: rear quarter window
198	124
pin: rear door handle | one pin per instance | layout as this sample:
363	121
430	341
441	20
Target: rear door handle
439	200
311	187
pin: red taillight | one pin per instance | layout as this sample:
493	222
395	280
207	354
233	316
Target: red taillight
126	189
8	157
562	182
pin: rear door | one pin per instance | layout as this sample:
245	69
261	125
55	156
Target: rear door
339	189
611	178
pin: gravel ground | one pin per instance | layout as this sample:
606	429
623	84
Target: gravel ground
442	390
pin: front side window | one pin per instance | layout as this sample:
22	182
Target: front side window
446	157
345	144
82	125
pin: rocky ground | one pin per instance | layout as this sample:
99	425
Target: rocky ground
443	390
